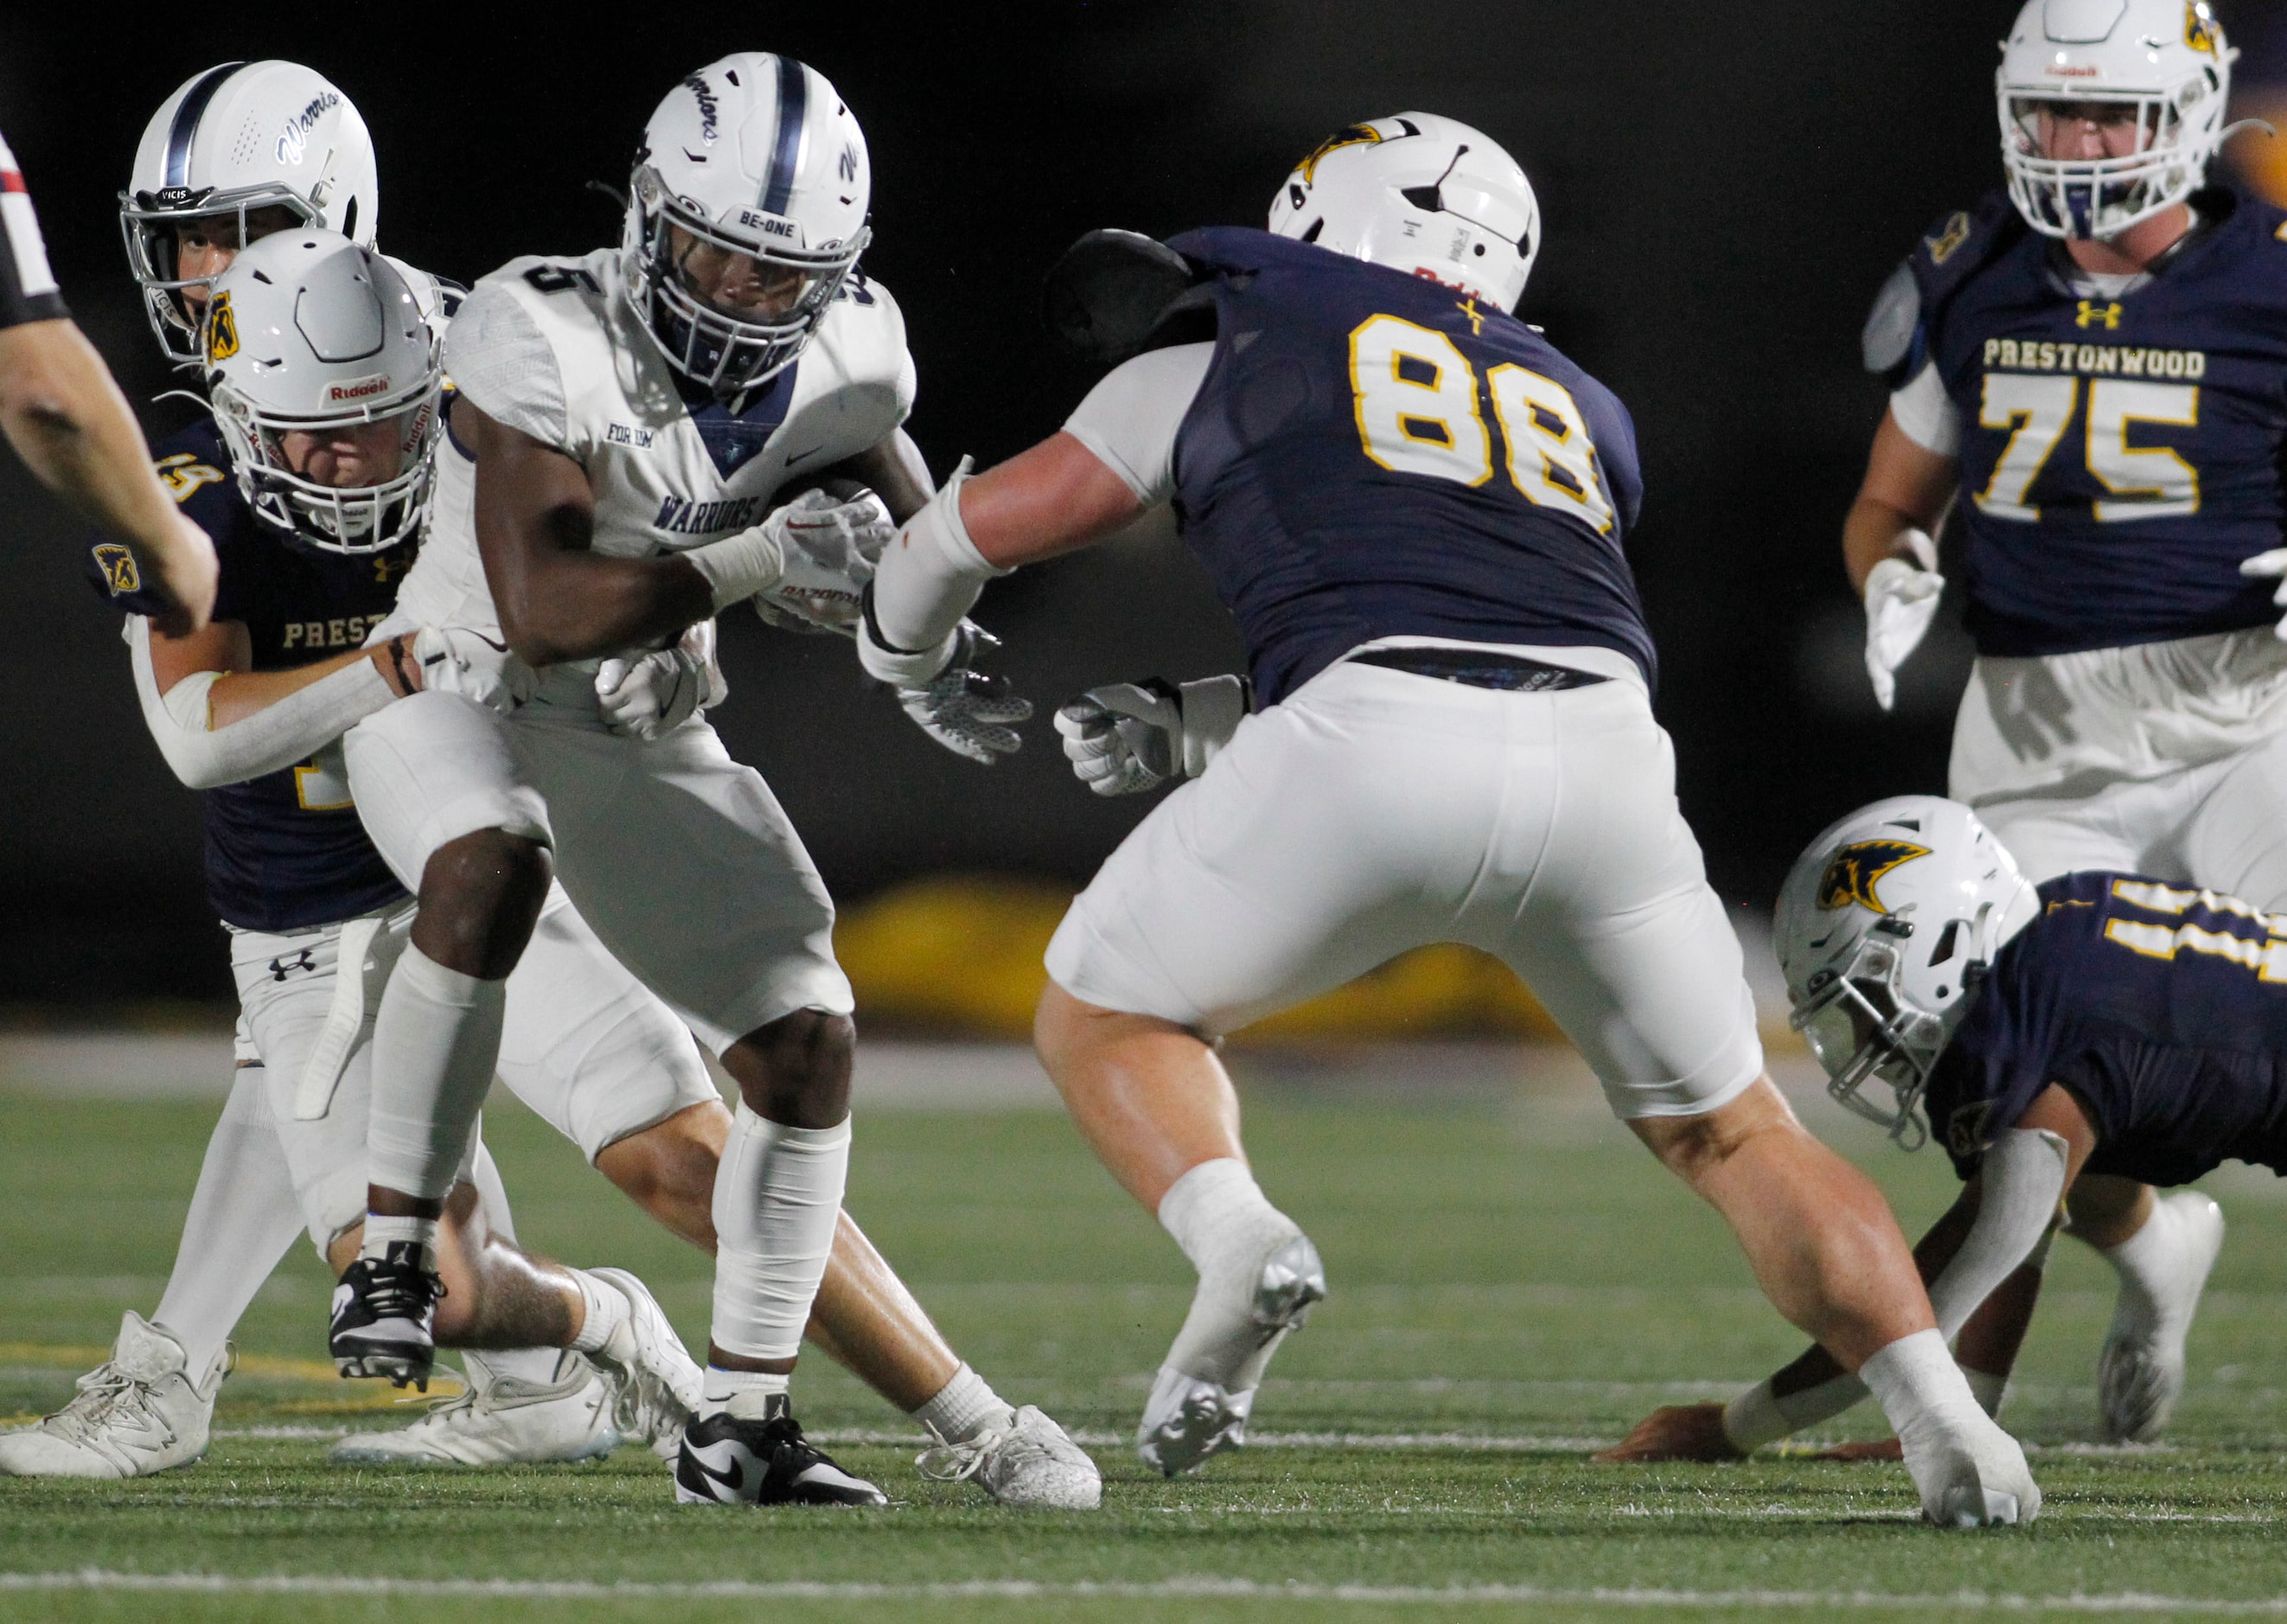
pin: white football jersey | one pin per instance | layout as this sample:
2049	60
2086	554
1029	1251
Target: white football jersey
552	348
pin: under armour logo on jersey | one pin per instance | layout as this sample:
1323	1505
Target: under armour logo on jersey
280	968
1965	1129
2091	313
1858	867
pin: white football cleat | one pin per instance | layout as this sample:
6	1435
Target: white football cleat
2140	1375
1190	1418
1032	1462
140	1412
499	1421
657	1387
1970	1473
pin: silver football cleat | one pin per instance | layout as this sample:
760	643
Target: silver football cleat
499	1421
140	1412
1188	1419
2140	1375
1032	1462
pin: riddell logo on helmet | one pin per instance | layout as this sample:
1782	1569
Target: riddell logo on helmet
359	389
2073	70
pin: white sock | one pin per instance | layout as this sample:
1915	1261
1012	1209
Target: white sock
1227	1227
606	1310
746	1394
436	1041
382	1232
964	1407
778	1195
243	1218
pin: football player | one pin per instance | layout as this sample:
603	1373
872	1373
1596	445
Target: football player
67	420
614	1071
624	425
1413	505
2087	367
2101	1024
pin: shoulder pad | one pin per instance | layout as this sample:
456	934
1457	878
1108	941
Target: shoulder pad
1956	248
1887	341
1115	293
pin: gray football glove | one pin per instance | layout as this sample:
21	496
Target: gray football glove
456	659
1128	737
645	697
831	547
968	712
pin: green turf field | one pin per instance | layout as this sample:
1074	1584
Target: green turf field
1512	1280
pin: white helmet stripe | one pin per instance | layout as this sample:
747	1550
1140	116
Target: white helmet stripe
786	152
186	125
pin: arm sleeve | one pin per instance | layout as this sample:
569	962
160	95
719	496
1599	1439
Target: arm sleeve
2024	1179
1926	415
27	287
275	738
497	357
1130	420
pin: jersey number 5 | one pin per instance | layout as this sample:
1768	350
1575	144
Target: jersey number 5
1418	412
2037	411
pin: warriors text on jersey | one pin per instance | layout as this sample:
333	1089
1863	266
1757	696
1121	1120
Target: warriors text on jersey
285	851
2161	1008
551	348
2118	456
1372	454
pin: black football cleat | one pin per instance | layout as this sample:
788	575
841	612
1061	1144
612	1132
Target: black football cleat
385	1308
734	1460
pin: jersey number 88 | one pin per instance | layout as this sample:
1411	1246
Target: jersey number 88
1417	398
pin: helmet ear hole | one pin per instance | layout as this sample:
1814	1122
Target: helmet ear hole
1312	235
1295	196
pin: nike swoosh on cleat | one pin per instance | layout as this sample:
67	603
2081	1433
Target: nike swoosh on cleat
735	1479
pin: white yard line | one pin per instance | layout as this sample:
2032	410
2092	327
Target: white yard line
1199	1587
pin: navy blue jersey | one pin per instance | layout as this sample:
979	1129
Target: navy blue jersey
2118	457
286	850
2161	1008
1374	454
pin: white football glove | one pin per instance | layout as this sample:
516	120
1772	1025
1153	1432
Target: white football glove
456	659
1900	602
643	699
968	712
831	548
2273	565
1131	736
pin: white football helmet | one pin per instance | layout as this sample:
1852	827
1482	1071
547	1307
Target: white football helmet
2165	60
759	155
235	138
308	330
1886	924
1422	194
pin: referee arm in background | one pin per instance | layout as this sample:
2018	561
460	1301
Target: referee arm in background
67	420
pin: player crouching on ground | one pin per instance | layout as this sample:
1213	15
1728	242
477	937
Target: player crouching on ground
2099	1024
1441	628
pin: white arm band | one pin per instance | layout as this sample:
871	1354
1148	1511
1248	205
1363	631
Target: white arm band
930	576
2025	1177
741	566
281	734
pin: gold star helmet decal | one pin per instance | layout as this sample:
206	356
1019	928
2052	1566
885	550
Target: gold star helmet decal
1856	870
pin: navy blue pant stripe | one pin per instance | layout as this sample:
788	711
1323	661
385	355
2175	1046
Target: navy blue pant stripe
187	121
793	99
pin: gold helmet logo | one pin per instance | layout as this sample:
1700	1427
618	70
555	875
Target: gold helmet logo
222	330
1354	135
2201	32
1856	869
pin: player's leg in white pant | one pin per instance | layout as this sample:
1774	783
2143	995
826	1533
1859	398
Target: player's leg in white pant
438	788
685	866
243	1220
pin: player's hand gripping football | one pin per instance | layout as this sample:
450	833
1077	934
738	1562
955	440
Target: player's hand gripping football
1127	737
968	712
1902	600
831	546
456	659
645	697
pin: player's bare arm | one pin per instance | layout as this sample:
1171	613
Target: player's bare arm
67	419
558	599
1056	497
1907	488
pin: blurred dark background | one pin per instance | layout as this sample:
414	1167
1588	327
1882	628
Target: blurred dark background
1724	189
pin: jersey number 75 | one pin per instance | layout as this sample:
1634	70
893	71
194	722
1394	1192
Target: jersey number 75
1417	413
